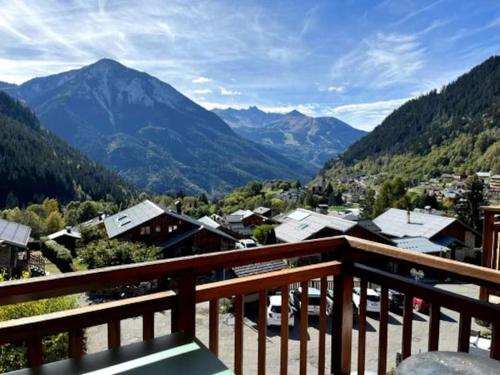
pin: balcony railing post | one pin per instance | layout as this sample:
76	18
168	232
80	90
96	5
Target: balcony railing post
489	219
184	312
342	322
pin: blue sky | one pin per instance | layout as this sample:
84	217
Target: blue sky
356	60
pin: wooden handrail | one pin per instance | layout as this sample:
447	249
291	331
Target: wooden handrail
480	275
75	282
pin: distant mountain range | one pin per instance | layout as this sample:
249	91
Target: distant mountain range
456	129
312	139
35	164
150	133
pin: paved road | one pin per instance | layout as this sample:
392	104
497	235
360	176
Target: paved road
132	331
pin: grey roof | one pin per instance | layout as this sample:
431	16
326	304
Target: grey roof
394	222
419	245
131	217
302	224
64	232
258	268
14	233
262	210
206	220
179	238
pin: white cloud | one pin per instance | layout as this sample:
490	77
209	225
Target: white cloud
337	89
366	116
202	91
228	92
382	60
201	79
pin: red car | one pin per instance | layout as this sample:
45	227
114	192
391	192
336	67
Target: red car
420	305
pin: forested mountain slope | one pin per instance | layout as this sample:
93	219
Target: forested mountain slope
35	164
454	130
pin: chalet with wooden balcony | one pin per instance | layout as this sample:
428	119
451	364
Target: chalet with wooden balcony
174	233
14	253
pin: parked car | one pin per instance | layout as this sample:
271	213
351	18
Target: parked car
420	305
274	311
313	303
396	300
246	244
372	299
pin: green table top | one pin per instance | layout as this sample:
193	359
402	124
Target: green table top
172	354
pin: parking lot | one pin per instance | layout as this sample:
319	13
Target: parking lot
132	332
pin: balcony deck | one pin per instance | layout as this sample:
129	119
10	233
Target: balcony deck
344	258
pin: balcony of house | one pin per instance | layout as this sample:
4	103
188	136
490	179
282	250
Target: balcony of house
340	339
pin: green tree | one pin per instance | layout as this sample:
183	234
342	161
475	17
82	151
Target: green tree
367	204
390	193
264	234
86	211
54	222
468	209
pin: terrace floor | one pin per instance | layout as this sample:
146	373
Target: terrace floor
132	332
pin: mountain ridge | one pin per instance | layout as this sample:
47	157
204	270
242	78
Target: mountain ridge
149	132
313	139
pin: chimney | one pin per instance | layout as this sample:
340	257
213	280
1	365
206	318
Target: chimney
408	213
178	207
68	229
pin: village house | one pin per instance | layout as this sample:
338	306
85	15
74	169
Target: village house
263	211
14	252
429	233
300	225
495	184
66	237
243	221
173	232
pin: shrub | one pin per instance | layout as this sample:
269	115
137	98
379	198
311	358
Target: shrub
58	254
104	253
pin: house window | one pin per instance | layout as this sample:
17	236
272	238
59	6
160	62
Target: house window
145	230
169	228
175	227
158	229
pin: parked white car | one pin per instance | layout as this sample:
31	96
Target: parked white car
246	244
372	299
274	311
313	303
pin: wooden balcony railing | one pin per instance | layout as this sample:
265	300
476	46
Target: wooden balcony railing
491	244
344	258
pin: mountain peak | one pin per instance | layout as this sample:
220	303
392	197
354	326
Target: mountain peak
295	113
107	62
